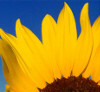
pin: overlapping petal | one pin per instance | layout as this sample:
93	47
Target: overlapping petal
28	60
12	71
36	50
96	42
84	43
29	64
49	42
94	64
66	37
95	70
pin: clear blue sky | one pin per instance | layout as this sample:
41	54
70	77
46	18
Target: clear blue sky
31	14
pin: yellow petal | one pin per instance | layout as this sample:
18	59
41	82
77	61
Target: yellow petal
66	40
35	46
25	59
84	43
96	39
96	34
95	71
49	43
12	71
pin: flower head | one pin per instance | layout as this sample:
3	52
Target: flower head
29	64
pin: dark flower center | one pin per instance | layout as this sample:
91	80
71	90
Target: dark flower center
72	84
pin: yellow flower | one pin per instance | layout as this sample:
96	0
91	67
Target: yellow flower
29	64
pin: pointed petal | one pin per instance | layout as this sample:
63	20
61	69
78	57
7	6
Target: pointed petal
96	39
66	40
84	43
11	69
25	61
36	48
49	43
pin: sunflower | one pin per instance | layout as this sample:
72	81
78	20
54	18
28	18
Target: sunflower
30	65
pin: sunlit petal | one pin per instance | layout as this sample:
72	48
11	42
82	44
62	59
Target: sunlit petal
84	43
66	40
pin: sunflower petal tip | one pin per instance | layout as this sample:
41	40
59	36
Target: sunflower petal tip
87	4
18	24
18	27
1	30
84	11
66	5
47	16
85	7
18	21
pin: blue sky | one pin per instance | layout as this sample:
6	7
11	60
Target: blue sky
31	14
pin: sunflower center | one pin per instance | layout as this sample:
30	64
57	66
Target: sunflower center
72	84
